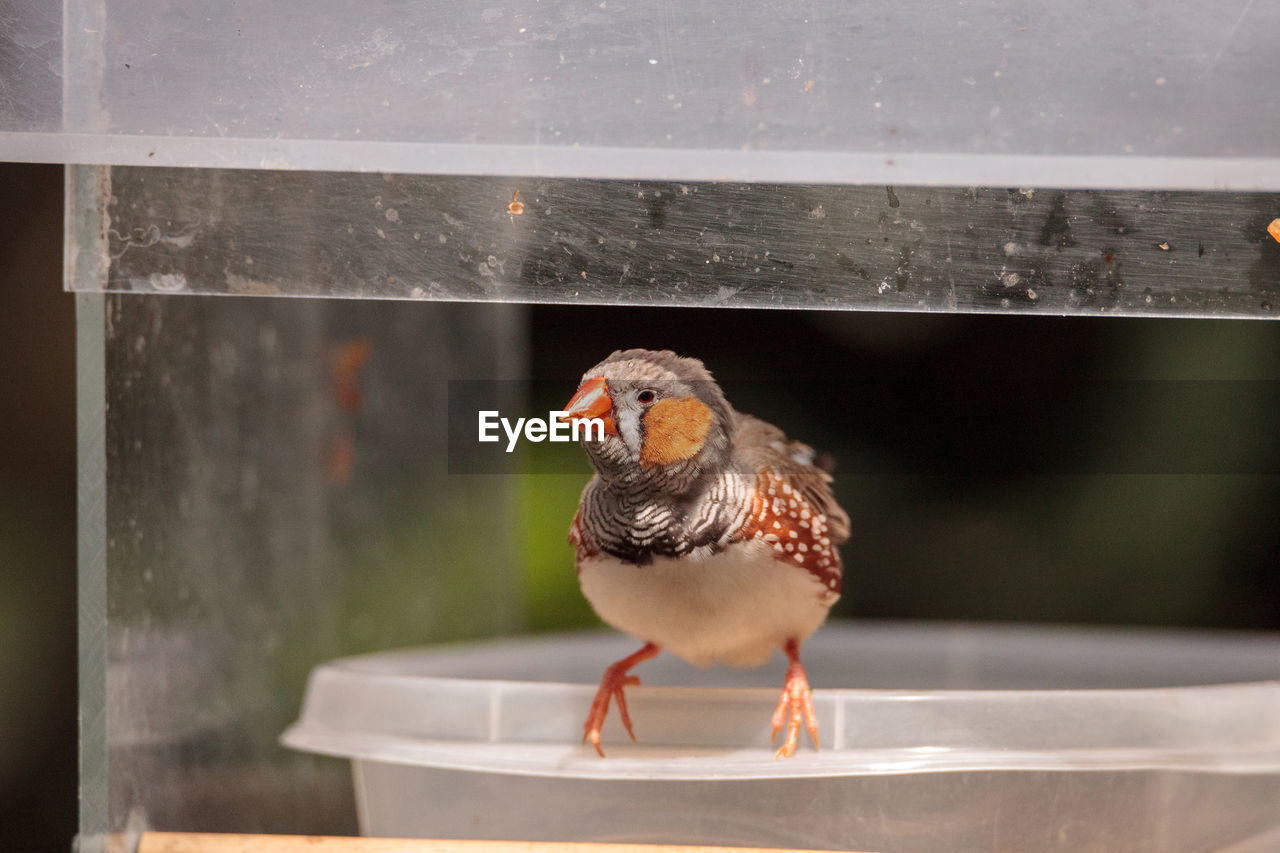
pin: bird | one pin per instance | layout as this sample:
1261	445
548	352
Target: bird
703	531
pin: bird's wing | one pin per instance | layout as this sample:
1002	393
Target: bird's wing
762	445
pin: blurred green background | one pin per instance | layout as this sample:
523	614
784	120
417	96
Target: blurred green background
1052	506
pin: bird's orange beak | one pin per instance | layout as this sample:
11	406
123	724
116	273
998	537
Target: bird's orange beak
592	401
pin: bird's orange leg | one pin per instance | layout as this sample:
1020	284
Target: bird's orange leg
611	686
795	706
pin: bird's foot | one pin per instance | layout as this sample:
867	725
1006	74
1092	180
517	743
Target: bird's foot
610	688
612	684
795	707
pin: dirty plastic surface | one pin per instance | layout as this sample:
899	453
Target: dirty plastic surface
878	248
1170	94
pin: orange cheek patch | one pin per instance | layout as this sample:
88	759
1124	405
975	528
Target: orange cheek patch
674	430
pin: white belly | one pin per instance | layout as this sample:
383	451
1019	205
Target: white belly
735	607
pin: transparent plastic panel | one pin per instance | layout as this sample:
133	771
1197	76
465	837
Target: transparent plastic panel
276	491
1026	78
91	565
1017	250
1170	94
31	69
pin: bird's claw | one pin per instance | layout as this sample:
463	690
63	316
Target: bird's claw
611	687
795	708
612	684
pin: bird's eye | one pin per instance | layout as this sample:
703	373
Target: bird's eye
646	396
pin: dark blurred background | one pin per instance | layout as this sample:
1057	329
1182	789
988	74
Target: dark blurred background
997	468
37	516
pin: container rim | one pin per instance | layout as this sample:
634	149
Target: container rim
421	707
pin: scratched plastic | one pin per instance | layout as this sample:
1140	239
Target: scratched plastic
875	248
271	489
1161	95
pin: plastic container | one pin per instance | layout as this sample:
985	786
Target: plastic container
939	738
